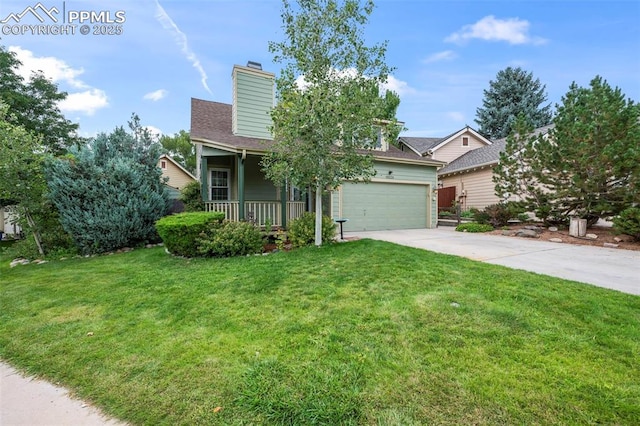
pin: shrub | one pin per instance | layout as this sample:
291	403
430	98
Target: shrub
179	232
230	239
474	227
480	216
302	230
467	214
192	197
628	222
499	214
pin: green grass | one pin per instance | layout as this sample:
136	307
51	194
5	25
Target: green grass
365	332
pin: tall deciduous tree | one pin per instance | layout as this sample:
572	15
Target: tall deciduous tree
514	92
21	177
324	126
34	105
590	163
110	193
180	148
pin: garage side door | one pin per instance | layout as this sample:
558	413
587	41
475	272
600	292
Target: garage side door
378	206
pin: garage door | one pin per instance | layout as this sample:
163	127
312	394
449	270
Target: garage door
378	206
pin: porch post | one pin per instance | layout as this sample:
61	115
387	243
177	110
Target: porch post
283	203
240	162
204	179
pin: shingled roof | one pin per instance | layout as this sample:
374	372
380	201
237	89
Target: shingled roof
485	156
211	124
422	146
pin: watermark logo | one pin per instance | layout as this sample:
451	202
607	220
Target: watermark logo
63	20
49	13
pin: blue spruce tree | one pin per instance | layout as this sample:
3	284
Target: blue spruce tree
513	93
110	193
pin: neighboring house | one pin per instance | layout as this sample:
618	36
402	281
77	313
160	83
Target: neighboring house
447	148
470	177
231	140
8	217
178	176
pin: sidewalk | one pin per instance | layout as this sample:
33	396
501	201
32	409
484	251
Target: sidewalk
604	267
33	402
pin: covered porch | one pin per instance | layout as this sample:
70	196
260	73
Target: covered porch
234	183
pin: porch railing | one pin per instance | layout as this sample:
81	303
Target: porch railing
257	211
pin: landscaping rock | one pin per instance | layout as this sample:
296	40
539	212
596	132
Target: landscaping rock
553	229
17	262
509	233
455	304
527	233
591	236
40	261
617	239
610	245
555	240
533	228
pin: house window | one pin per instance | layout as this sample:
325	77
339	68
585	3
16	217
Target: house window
219	184
378	144
163	164
465	141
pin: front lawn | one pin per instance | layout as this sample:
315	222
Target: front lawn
365	332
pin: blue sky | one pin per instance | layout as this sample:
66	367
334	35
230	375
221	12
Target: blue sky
444	53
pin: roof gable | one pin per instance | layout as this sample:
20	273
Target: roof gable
422	146
485	156
178	165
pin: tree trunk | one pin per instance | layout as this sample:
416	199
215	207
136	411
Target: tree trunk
318	215
36	234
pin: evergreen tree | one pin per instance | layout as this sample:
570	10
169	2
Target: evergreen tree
514	174
590	163
110	193
321	129
514	92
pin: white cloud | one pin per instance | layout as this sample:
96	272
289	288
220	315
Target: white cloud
511	30
87	102
446	55
154	131
181	39
398	86
156	95
52	68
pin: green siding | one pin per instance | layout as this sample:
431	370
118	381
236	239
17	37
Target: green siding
377	206
257	187
395	204
253	100
406	172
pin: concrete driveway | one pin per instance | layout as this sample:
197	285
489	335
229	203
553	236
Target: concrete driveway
604	267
